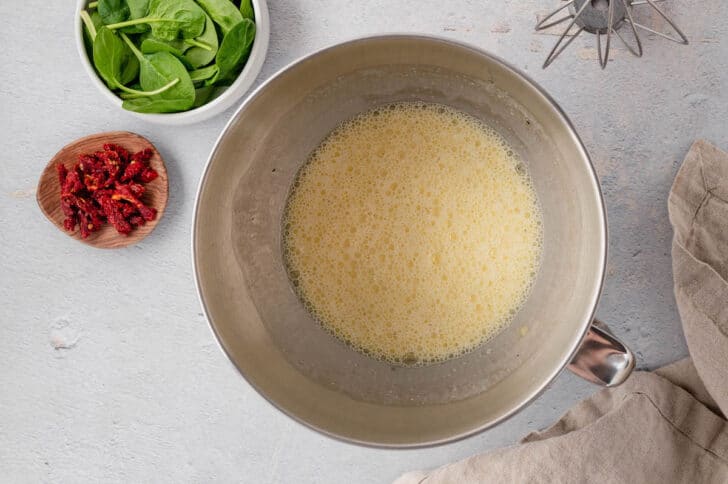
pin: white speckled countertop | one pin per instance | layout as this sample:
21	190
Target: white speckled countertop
108	371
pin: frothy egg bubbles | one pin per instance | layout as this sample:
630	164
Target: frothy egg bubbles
413	233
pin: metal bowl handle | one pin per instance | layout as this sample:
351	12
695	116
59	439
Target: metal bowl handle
603	359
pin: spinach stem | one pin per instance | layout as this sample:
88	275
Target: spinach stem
89	24
200	44
133	93
93	5
133	47
137	21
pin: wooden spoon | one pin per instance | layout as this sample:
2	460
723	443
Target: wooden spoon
48	193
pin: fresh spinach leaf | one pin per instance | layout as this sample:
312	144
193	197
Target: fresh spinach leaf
96	20
199	56
151	45
246	9
203	95
203	74
173	65
164	75
170	19
189	19
113	11
223	12
156	104
113	60
138	8
234	51
129	72
177	44
177	48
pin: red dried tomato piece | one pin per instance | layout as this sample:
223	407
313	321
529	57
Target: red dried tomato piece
122	154
106	186
72	184
86	162
67	206
62	173
127	210
137	220
137	189
112	210
70	212
85	232
124	193
70	223
142	156
134	169
148	175
93	182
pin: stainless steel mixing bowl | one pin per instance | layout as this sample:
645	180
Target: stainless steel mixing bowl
312	376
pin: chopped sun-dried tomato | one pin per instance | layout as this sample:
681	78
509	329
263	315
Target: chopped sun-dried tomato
133	170
62	172
107	186
148	175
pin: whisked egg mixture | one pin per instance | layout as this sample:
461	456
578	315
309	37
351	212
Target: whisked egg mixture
413	233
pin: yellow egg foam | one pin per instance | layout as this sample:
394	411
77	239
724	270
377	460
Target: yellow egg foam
413	233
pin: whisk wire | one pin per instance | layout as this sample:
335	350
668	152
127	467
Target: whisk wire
555	52
590	16
542	25
683	38
630	20
604	59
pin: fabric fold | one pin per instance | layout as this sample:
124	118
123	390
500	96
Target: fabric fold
662	426
698	210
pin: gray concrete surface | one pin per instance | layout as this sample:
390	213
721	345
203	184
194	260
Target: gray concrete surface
108	371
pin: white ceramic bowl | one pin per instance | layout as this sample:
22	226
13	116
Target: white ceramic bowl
225	100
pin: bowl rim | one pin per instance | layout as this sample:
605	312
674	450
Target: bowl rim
527	399
225	100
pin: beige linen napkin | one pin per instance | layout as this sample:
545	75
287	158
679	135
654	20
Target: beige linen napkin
661	427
